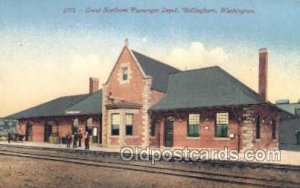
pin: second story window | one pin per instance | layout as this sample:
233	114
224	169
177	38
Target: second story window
222	122
125	73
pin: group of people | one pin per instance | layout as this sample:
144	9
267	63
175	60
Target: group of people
14	137
76	138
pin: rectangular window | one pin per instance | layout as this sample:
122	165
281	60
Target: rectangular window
193	125
125	73
129	124
222	122
273	129
115	124
257	127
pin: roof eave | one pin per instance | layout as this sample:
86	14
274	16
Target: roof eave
202	107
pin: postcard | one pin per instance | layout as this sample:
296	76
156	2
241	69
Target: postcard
98	93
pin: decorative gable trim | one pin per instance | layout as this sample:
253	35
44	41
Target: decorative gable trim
134	58
138	63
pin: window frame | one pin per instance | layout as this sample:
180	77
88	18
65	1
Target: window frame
125	73
220	125
127	125
197	134
112	125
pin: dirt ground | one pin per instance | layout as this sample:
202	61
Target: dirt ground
23	172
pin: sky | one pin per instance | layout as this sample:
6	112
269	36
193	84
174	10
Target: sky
50	48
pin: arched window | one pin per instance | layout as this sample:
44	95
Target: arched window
89	126
273	129
258	126
75	125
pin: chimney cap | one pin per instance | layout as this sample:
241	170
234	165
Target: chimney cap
283	101
126	42
263	50
93	78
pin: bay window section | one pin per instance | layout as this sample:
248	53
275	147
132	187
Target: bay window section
129	124
115	124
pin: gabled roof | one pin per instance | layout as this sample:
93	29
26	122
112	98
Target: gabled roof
156	69
291	107
90	105
54	107
206	87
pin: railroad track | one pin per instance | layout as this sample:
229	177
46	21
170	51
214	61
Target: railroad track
226	164
217	177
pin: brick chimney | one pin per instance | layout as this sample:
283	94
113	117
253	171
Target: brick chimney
94	85
263	73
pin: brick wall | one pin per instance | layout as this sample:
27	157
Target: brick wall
62	126
131	90
207	137
267	115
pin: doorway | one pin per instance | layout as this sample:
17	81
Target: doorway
298	137
47	130
169	131
28	132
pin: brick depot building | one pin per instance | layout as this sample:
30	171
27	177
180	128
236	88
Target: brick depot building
145	102
53	120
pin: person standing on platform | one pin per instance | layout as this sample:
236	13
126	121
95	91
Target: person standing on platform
68	140
8	137
87	141
75	140
79	138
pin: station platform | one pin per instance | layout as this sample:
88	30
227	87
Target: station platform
45	145
286	157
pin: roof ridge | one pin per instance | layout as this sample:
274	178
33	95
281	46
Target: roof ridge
250	93
197	69
156	60
70	96
289	103
44	103
88	95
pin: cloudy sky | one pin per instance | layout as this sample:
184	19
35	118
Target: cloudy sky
48	50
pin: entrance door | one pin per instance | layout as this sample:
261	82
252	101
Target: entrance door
169	131
28	132
47	131
298	137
